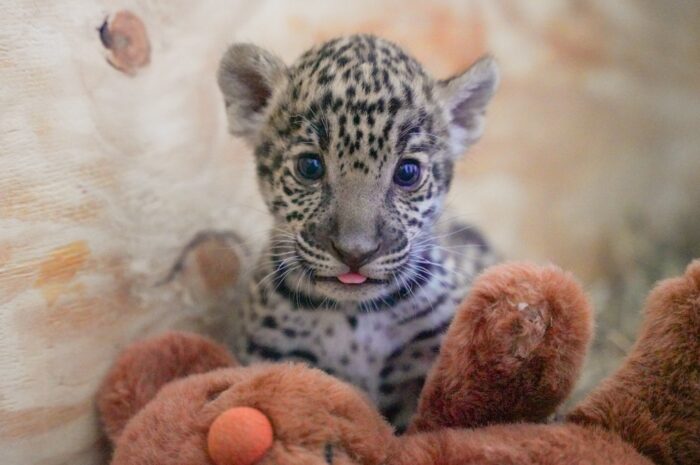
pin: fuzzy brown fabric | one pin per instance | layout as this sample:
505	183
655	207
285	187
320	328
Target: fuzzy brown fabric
511	356
654	400
146	366
512	353
517	444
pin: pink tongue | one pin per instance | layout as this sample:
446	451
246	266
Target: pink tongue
352	278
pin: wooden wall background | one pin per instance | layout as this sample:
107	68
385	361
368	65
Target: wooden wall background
591	159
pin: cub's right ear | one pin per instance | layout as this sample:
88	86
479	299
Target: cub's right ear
248	76
146	366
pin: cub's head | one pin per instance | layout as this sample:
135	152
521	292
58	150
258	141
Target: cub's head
355	145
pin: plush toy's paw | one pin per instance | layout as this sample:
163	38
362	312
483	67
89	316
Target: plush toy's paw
512	327
145	366
517	312
513	351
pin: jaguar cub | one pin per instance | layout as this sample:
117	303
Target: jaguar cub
354	146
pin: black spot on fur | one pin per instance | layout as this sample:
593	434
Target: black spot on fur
269	322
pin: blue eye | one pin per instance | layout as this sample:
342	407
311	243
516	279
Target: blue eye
310	167
407	174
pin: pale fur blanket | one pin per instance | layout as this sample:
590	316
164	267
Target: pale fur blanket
106	177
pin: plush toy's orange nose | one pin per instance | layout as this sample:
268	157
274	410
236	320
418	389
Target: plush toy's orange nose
239	436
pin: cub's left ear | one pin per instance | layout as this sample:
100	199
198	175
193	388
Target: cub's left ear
465	97
248	77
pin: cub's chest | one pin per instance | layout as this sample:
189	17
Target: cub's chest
343	343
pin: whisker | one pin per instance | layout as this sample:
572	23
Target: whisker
448	270
280	265
284	276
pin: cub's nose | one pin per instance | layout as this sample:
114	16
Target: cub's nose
355	255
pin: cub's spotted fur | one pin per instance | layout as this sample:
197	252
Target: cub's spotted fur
355	145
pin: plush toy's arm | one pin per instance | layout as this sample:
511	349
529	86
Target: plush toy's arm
521	444
653	401
512	353
145	366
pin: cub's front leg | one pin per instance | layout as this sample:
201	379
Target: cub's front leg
402	378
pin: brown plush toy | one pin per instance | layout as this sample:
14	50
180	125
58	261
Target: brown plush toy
510	357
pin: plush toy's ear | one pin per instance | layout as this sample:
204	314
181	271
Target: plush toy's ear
248	77
512	353
465	97
144	367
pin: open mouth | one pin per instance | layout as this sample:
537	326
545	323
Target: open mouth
350	279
